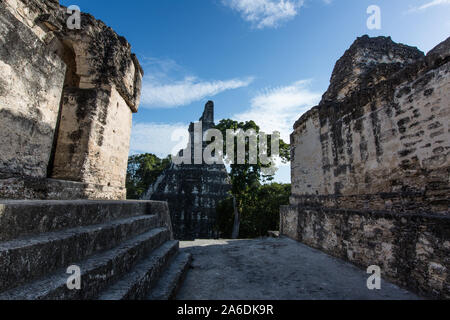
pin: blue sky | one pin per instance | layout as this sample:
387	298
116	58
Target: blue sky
266	60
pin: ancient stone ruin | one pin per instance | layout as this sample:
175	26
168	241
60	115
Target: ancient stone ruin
371	165
67	99
66	104
193	191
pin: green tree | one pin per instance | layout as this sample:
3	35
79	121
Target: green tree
247	177
142	171
260	211
264	208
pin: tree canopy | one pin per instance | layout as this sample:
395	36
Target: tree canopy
246	178
260	211
142	172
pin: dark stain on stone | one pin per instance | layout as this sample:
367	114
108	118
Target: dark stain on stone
415	124
428	92
338	186
85	101
324	137
359	125
103	113
72	148
412	144
436	134
402	124
406	152
364	151
423	81
100	136
435	125
76	135
3	85
376	129
414	135
341	170
404	91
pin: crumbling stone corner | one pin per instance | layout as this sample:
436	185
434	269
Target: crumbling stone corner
66	100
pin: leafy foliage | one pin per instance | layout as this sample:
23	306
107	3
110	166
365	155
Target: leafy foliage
260	211
246	175
142	171
246	182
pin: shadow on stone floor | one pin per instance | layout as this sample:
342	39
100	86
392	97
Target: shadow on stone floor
275	269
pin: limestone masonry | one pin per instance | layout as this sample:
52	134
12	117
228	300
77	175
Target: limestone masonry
124	250
193	190
66	104
371	165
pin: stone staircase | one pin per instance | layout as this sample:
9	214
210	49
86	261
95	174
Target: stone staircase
124	250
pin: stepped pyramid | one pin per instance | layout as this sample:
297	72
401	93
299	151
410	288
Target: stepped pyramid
193	190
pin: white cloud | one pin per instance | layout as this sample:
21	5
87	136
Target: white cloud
168	85
155	138
159	94
277	109
160	66
265	13
429	5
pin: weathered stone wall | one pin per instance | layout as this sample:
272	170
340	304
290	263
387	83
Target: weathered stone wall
29	98
193	191
66	99
389	134
96	123
412	250
21	188
371	165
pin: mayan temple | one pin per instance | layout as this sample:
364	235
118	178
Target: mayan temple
193	191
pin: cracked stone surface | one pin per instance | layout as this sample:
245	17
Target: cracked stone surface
275	269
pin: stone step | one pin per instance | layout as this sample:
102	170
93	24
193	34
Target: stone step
24	218
138	282
170	282
97	272
27	259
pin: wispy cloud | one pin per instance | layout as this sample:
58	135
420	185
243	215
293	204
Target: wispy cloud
265	13
428	5
156	94
277	109
157	138
169	85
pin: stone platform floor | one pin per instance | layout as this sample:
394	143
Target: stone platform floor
274	269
